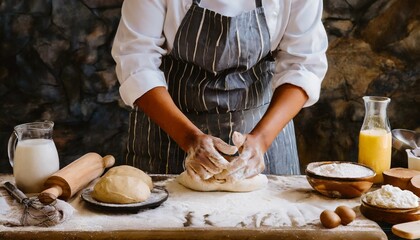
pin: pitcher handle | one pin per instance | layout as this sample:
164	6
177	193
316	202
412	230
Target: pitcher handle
11	147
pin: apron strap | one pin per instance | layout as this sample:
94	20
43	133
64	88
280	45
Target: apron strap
258	3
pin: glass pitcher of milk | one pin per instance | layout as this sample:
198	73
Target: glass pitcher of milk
375	138
33	155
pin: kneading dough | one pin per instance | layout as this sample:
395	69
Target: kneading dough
246	185
120	189
125	170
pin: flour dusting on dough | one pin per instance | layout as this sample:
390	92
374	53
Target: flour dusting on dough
245	185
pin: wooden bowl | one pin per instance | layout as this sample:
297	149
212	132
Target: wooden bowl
338	187
389	215
399	177
414	185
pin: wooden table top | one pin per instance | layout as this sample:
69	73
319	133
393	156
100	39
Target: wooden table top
288	208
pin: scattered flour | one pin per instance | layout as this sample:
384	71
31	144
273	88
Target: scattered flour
4	206
186	208
389	196
287	201
343	170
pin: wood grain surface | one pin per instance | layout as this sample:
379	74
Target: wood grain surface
87	223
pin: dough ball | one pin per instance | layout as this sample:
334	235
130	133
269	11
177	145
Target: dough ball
245	185
125	170
120	189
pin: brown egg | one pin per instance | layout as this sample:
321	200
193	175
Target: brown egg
346	214
329	219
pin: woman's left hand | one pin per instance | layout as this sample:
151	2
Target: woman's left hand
250	161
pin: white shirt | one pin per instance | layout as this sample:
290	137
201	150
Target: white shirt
147	31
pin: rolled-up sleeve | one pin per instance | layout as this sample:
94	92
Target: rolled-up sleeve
301	55
137	48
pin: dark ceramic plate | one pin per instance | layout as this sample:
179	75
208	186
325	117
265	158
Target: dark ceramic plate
157	197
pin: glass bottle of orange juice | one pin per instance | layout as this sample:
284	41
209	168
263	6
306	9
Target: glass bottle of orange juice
375	139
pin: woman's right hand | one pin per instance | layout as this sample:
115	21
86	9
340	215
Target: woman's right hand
204	159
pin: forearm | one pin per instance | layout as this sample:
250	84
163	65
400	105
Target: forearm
159	106
286	102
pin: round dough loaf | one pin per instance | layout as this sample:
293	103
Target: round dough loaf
126	170
246	185
120	189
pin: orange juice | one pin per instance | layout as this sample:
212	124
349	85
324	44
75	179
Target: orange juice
375	147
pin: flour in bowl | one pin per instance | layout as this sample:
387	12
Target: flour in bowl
389	196
343	170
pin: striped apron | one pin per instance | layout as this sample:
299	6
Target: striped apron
219	74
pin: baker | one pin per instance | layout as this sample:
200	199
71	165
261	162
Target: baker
202	76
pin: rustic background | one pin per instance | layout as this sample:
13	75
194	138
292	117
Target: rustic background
55	64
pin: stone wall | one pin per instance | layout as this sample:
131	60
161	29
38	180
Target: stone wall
373	50
55	64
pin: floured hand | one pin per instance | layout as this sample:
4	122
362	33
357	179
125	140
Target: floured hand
248	164
205	159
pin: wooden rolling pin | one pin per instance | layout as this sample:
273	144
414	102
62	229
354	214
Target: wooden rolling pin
72	178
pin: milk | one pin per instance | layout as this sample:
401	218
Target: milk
35	160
